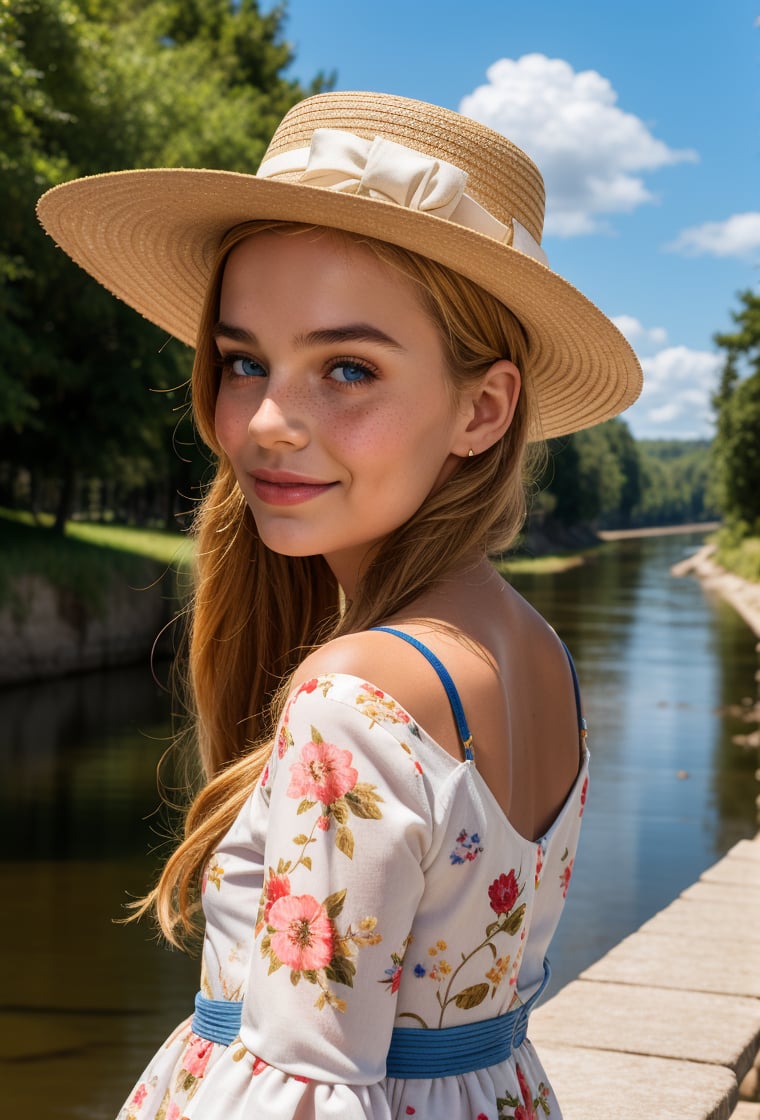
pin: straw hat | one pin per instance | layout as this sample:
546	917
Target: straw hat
402	171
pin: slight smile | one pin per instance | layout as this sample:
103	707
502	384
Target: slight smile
281	488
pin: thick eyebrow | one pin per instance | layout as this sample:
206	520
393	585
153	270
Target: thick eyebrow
332	336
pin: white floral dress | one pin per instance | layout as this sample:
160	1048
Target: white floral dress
371	881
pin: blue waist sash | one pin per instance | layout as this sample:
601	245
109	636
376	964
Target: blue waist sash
415	1052
217	1020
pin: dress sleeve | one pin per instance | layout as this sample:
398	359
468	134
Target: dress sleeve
349	824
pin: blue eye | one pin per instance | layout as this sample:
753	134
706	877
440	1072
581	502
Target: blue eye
351	373
244	367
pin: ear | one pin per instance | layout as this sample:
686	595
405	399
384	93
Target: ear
488	408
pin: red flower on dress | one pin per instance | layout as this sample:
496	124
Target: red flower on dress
303	933
323	773
140	1094
307	686
503	893
276	886
565	878
524	1111
197	1055
584	791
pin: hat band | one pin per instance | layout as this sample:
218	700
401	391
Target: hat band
382	169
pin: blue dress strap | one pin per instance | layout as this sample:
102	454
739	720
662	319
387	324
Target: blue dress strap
445	678
577	690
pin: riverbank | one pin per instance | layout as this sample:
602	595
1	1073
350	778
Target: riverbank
99	596
657	531
742	594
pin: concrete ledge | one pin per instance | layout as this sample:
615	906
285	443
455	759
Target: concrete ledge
667	1024
661	1022
598	1085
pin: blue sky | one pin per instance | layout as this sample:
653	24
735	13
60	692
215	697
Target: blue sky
657	215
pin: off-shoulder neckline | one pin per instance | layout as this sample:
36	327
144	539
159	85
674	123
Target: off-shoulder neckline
455	764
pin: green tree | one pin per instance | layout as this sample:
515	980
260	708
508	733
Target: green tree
594	474
737	403
86	387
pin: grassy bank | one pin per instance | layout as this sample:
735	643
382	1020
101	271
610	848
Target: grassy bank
87	558
540	565
740	556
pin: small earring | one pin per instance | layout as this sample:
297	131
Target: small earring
470	453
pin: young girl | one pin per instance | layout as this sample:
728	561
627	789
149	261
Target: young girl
392	737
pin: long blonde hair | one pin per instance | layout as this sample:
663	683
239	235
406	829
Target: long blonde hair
256	614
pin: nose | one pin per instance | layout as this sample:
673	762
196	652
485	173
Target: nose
277	422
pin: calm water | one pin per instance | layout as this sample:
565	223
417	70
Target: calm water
85	1001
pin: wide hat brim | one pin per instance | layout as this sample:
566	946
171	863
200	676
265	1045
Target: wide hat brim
150	237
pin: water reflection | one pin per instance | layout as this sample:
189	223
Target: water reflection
86	1001
660	663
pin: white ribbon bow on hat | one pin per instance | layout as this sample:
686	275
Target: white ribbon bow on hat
382	169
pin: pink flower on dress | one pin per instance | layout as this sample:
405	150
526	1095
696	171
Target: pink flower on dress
303	933
524	1111
539	862
172	1112
503	893
565	877
197	1055
323	823
323	773
140	1094
307	686
276	886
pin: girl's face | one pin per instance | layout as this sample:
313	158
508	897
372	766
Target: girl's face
334	404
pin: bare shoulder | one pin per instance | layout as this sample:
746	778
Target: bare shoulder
402	672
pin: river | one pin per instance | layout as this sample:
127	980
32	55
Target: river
664	669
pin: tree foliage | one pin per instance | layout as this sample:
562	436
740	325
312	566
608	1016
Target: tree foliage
593	475
736	453
96	85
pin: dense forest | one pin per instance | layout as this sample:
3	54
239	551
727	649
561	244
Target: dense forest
93	408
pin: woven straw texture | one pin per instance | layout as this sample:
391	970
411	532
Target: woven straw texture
150	238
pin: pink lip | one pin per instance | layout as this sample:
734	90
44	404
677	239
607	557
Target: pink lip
283	488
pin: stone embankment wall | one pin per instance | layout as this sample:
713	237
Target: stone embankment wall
47	631
743	595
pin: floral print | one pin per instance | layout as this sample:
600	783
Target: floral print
528	1108
467	848
213	874
323	772
503	893
377	707
324	776
565	876
539	861
302	935
366	856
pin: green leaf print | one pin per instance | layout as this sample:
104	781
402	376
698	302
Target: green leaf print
471	997
333	904
344	840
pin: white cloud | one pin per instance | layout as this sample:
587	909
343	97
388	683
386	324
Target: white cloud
590	151
675	400
643	339
737	236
